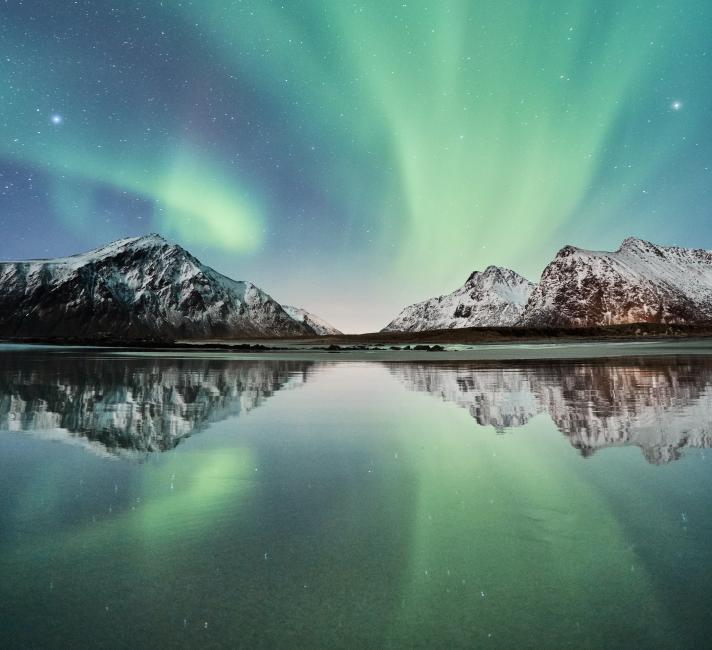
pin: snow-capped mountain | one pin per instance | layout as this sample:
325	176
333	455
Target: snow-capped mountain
640	282
661	407
318	325
136	287
492	298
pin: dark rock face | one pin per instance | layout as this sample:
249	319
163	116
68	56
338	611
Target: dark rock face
639	283
134	288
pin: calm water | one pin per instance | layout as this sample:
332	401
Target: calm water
166	501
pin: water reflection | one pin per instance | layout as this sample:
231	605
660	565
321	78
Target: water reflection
415	527
138	405
662	406
119	405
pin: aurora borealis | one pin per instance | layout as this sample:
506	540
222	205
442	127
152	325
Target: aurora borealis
353	157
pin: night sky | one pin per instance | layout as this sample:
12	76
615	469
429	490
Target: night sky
354	157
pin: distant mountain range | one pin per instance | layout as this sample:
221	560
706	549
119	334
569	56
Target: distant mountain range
146	287
639	283
142	287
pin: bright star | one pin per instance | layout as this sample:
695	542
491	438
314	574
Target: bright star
56	118
676	105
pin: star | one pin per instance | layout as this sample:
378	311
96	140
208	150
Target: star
676	105
56	119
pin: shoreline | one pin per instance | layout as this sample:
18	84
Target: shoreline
472	345
431	340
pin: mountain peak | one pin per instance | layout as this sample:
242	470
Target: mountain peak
635	243
152	237
568	250
640	282
629	244
143	241
490	271
135	287
494	270
152	244
491	298
496	273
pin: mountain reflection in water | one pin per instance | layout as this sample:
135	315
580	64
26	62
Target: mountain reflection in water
141	405
661	405
119	404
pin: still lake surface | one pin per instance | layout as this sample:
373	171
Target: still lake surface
209	500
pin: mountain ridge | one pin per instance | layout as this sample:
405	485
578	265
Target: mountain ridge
139	286
149	288
640	282
493	297
319	325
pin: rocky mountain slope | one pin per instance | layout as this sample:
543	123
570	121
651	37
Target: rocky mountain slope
134	288
640	282
494	297
318	325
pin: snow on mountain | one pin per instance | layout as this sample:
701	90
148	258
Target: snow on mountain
319	325
492	298
136	287
640	282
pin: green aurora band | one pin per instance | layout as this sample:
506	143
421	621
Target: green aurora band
419	140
